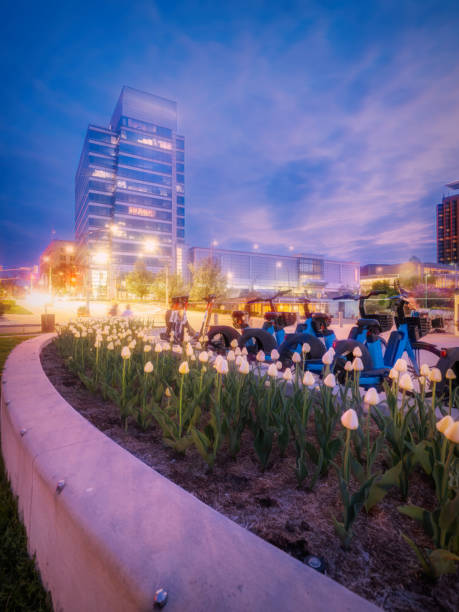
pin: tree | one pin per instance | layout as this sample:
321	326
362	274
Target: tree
139	280
176	285
207	278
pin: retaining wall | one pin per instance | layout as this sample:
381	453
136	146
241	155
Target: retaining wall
118	530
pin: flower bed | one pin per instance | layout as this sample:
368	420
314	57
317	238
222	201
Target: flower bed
280	462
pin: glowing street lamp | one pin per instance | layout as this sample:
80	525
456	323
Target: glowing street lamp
255	247
100	257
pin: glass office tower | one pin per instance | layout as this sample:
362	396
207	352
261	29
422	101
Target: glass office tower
130	192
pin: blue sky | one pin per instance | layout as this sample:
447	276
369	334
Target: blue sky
329	126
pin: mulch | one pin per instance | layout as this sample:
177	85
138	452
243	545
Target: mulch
379	565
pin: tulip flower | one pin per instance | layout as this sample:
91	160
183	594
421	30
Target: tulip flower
110	346
401	365
237	351
244	351
147	348
167	392
425	370
371	397
218	360
125	352
260	356
272	371
405	382
184	368
435	375
132	344
296	357
222	367
244	368
450	375
443	424
349	419
231	356
198	346
288	376
279	365
239	359
357	352
349	366
330	381
452	433
305	348
357	365
308	379
158	348
275	355
203	356
233	343
148	367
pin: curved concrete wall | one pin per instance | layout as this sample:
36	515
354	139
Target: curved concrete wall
118	530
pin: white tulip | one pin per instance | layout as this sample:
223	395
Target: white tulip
125	352
305	348
288	376
357	352
401	365
260	356
231	356
279	365
308	379
405	383
203	356
452	433
371	397
233	343
357	364
425	370
394	374
435	375
330	381
244	368
275	355
237	351
296	357
244	351
350	420
147	348
450	375
272	370
110	346
148	367
348	366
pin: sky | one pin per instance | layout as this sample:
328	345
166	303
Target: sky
328	126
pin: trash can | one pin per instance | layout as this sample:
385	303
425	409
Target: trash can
47	323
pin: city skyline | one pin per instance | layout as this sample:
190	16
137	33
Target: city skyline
326	129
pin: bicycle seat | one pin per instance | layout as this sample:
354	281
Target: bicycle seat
368	323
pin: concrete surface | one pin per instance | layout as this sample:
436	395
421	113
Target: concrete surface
118	530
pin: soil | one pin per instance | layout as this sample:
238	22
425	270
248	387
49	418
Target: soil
379	565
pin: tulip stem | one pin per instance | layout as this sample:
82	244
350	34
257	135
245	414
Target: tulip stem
346	456
180	406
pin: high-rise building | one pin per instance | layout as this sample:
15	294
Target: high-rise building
447	227
130	192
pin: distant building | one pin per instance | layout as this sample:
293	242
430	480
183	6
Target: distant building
443	276
130	192
447	227
251	271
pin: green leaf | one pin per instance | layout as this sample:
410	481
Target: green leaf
422	560
443	562
380	488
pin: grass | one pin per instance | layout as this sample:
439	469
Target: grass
20	584
10	307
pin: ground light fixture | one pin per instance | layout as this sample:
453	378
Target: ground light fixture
315	563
